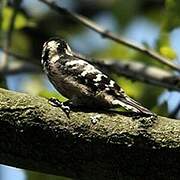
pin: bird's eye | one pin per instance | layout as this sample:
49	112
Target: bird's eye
62	47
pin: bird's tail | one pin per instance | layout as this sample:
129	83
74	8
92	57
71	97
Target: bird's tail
132	105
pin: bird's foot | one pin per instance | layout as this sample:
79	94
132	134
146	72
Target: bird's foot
63	105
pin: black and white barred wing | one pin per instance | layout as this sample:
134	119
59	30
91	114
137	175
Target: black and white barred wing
90	76
98	82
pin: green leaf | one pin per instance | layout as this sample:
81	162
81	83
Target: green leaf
168	52
2	6
20	22
164	46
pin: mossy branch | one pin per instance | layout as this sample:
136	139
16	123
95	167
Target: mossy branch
37	136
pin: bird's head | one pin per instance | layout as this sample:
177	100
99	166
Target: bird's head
53	49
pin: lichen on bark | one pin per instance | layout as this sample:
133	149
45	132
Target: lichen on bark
90	145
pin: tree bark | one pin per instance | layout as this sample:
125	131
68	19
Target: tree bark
90	145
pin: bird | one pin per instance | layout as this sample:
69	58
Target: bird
81	82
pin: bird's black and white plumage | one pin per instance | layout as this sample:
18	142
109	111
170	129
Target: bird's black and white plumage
82	83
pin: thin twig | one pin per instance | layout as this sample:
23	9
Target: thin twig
107	34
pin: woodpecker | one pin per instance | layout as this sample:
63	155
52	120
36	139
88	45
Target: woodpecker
81	82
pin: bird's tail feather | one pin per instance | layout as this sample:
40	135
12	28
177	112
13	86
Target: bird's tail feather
130	104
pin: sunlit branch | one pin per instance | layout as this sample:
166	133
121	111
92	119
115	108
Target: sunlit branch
107	34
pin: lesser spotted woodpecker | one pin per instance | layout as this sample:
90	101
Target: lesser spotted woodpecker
81	82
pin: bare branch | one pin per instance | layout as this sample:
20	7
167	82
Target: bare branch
107	34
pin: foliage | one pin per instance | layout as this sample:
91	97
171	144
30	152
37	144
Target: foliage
21	20
33	25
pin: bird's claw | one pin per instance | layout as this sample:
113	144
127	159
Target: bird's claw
56	103
66	109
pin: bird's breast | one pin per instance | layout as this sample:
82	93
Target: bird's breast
65	83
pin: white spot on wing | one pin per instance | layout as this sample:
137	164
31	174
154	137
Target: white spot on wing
98	77
116	102
107	89
89	69
76	62
111	83
124	105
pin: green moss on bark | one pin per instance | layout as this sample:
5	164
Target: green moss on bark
89	145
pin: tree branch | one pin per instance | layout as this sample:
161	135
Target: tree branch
21	67
141	72
132	70
37	136
107	34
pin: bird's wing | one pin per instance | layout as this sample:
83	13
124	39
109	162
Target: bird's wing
91	76
97	81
